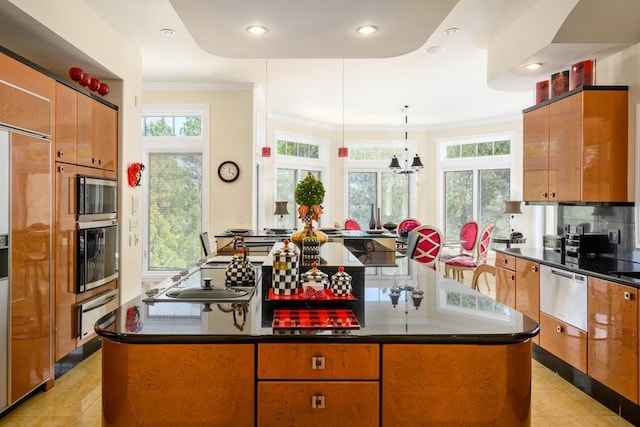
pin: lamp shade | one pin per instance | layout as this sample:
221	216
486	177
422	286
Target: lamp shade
281	208
395	164
417	163
512	207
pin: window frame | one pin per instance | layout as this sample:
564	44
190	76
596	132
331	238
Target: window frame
475	164
179	144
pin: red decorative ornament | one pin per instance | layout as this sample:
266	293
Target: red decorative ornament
134	173
94	84
84	80
76	73
103	89
266	151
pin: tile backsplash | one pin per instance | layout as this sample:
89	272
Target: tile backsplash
596	219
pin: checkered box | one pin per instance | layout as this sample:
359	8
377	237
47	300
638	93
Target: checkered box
285	271
341	283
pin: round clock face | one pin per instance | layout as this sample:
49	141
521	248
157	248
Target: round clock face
228	171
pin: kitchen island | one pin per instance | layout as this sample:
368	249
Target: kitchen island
432	352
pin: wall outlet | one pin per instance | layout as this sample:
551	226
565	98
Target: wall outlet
614	236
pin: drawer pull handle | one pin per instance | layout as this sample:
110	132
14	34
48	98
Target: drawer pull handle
317	402
317	362
60	153
60	168
504	260
559	329
627	296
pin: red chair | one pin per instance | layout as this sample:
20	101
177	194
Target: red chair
468	241
406	225
424	244
459	264
351	224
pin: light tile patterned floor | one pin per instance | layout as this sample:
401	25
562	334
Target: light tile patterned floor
76	401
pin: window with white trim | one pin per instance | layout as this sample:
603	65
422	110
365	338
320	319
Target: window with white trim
175	191
372	185
296	156
474	180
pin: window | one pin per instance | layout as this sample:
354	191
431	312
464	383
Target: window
174	195
476	177
297	156
371	185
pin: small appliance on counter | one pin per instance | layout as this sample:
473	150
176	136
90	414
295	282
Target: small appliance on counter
553	242
589	245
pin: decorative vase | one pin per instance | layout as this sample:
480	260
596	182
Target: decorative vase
372	220
308	230
378	221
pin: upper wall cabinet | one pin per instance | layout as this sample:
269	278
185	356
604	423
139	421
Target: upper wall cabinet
26	97
575	147
97	134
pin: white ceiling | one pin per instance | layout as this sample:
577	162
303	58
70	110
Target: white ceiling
312	74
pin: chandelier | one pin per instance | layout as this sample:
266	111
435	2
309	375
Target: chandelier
416	164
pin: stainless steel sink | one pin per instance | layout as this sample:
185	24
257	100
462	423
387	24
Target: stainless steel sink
208	294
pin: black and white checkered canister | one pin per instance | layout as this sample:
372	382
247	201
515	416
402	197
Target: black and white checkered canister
341	283
315	278
285	270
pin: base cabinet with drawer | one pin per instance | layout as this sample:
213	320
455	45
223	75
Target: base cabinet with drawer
506	279
564	340
318	384
613	336
527	298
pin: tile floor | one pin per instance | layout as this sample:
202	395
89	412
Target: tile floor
76	401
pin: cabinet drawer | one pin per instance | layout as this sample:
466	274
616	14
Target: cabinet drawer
565	341
319	361
505	261
318	403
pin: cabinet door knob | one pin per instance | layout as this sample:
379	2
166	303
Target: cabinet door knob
60	168
511	277
559	329
544	195
534	268
627	296
101	162
317	402
552	195
60	153
317	362
504	260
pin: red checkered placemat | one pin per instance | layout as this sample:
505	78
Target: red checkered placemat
315	319
309	294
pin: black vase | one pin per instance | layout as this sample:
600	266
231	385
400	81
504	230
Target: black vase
378	221
372	220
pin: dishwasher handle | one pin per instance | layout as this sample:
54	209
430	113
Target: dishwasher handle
562	273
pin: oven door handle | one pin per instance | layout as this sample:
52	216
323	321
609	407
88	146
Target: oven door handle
99	302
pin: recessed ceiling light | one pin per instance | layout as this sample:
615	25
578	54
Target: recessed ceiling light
366	29
451	31
533	66
436	49
167	32
257	30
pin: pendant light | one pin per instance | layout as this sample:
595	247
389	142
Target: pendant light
343	151
266	150
416	164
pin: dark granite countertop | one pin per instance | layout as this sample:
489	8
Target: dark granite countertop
603	266
449	313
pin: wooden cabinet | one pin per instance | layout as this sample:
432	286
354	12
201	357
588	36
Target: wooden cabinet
27	100
506	279
575	147
613	336
186	384
97	134
65	247
66	121
318	384
527	286
30	294
442	385
565	341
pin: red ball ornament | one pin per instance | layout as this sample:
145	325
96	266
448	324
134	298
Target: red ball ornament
84	81
94	84
103	89
76	73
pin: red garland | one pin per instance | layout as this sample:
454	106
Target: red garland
135	174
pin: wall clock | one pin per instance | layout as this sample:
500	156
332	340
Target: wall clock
228	171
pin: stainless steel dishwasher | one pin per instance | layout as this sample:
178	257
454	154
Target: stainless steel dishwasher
563	295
